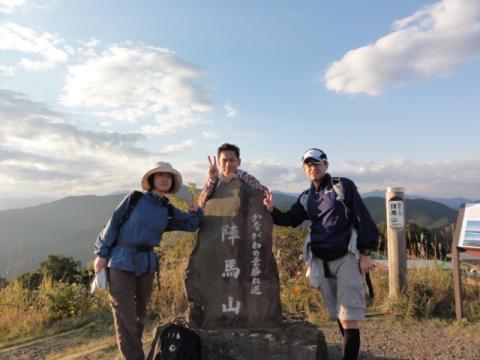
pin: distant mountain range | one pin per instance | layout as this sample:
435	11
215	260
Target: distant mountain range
70	226
453	203
427	213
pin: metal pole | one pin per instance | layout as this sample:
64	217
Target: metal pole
396	241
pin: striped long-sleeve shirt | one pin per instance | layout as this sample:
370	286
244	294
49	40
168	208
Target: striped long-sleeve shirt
211	185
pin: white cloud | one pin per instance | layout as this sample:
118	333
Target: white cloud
105	124
276	175
7	70
209	135
445	179
87	48
42	152
9	6
231	112
177	148
129	115
195	172
430	43
165	124
437	178
133	81
271	173
92	43
48	49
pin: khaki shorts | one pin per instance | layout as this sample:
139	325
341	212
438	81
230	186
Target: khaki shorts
344	293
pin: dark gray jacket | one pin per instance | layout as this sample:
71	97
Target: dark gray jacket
331	226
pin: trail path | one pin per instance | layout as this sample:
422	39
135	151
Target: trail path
381	339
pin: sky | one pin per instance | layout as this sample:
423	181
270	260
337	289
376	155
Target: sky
93	93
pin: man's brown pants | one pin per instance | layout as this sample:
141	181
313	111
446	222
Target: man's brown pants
129	296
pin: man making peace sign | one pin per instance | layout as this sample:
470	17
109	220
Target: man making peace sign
229	161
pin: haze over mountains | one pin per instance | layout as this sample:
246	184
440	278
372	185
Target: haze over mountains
454	202
70	226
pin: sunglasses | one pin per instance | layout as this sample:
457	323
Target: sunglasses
312	164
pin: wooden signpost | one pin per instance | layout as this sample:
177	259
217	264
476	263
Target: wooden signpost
397	246
466	238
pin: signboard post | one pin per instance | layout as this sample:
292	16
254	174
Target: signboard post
397	245
467	238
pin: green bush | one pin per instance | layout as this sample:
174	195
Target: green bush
58	268
30	281
64	300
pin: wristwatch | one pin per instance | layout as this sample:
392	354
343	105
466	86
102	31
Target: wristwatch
365	252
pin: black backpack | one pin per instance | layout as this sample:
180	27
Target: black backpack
176	342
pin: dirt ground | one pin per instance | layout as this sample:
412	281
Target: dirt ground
380	339
386	339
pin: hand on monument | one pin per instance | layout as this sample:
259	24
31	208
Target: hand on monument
213	170
192	205
229	177
268	200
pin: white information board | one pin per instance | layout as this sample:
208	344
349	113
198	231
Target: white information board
396	212
470	231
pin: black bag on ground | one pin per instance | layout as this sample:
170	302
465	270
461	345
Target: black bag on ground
176	342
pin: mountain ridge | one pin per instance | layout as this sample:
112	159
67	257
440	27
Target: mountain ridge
69	226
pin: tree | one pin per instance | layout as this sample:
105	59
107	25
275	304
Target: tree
382	237
61	268
419	240
31	280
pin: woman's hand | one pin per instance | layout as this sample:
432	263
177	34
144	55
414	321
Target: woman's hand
192	205
99	264
268	200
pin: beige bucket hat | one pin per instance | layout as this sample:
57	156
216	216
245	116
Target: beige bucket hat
167	168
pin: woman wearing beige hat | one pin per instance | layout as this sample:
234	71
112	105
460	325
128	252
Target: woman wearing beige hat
126	244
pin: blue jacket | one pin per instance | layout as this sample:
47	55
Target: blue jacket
331	226
144	227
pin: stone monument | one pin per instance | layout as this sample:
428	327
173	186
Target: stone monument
233	287
232	278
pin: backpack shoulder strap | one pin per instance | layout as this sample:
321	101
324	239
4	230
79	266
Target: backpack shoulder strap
339	190
170	211
337	186
134	199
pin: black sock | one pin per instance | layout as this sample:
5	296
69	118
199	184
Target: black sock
340	326
351	344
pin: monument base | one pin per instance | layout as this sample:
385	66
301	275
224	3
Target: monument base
293	339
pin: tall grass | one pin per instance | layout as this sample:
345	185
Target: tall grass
26	312
168	297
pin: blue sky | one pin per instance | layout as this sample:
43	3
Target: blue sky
94	92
